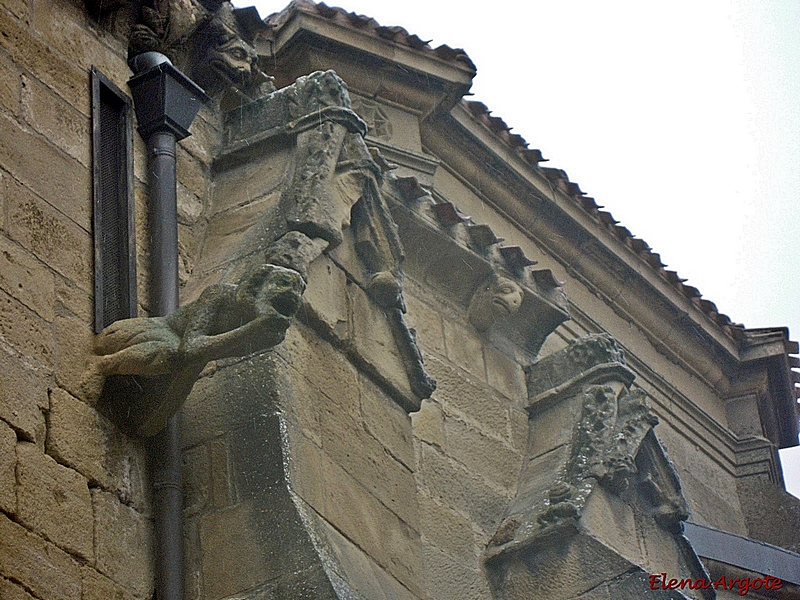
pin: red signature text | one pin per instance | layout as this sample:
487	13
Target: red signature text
741	584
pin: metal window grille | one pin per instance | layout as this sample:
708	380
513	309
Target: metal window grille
114	234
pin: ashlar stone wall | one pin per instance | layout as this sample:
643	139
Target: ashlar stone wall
74	492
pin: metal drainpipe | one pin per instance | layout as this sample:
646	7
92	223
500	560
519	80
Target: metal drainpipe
166	102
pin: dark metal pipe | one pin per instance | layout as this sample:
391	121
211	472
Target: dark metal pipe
164	449
163	224
166	102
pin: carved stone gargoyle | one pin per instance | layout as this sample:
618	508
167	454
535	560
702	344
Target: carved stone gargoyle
210	40
150	364
594	455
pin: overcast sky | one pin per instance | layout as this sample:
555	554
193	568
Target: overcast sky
682	118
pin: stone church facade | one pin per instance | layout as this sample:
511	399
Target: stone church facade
410	361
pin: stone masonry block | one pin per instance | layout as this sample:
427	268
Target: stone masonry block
22	329
233	560
428	423
505	375
63	25
458	392
58	178
374	341
57	121
483	455
370	525
446	529
26	279
100	587
54	501
428	324
464	348
554	426
519	428
80	438
123	543
23	394
304	408
74	344
452	579
196	484
35	56
453	485
10	85
326	296
191	173
39	566
348	443
74	300
387	422
11	591
326	369
8	465
50	236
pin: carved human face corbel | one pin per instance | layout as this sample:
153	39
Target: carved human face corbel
495	298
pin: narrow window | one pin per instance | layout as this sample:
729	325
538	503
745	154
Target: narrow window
114	236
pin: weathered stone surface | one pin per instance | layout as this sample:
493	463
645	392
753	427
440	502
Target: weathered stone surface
191	173
428	423
123	543
26	279
28	333
468	397
451	579
190	207
326	296
374	341
74	300
8	464
65	26
427	322
10	85
466	493
100	587
352	571
11	591
606	517
371	526
505	375
57	121
233	559
36	57
464	349
74	341
38	565
43	168
485	456
23	394
448	530
371	465
53	238
81	438
54	501
387	422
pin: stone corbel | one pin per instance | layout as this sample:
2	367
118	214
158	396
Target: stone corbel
597	456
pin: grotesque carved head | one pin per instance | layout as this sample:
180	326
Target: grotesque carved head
496	297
